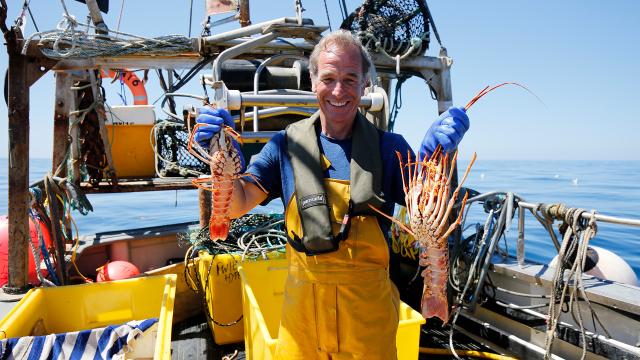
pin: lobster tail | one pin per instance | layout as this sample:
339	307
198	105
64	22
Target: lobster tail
435	306
434	296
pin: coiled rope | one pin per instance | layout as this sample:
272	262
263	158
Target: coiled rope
576	239
66	42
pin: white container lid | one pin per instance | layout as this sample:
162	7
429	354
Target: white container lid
131	115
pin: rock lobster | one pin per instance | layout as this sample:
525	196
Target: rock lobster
429	205
225	163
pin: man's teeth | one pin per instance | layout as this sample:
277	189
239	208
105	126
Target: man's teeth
343	103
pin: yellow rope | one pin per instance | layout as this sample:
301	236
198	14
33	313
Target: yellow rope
188	277
472	353
75	249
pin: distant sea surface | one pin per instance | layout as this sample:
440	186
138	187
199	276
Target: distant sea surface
610	187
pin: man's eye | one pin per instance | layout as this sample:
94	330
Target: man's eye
326	80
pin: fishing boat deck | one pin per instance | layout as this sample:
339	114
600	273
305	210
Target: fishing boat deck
191	339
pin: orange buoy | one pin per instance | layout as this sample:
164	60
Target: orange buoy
133	82
4	249
116	270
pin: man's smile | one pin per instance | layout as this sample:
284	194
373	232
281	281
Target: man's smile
337	103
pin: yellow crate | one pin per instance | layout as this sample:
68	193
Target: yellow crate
263	290
221	281
129	130
73	308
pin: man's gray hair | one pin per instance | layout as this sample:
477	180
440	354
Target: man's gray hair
343	39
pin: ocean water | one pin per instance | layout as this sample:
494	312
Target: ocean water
610	187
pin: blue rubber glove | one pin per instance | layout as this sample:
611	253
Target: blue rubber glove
447	131
215	120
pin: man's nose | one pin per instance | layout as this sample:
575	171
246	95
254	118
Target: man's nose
338	89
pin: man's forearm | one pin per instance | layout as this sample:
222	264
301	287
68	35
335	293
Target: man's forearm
246	196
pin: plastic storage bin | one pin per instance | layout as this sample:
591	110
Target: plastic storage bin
220	278
129	130
263	290
72	308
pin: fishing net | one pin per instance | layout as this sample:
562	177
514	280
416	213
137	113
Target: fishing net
67	42
391	27
252	235
173	155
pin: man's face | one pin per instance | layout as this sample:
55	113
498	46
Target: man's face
340	84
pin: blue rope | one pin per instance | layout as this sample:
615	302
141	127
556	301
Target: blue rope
43	248
122	93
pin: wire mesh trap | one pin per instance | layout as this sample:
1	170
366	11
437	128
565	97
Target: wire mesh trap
393	27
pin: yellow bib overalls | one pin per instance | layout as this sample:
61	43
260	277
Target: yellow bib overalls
339	305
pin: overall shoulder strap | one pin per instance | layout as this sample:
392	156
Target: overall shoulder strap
365	167
311	196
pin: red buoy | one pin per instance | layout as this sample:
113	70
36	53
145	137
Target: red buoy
4	249
117	270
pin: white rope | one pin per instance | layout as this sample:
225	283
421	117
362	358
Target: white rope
389	46
269	234
574	283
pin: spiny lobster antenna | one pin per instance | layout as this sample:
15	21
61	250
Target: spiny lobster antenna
404	182
489	89
436	152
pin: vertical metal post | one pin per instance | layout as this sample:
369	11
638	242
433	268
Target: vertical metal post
61	123
445	101
382	118
18	170
245	18
445	94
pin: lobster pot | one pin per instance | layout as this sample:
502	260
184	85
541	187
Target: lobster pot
219	277
129	130
262	296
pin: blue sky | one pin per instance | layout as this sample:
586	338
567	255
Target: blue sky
579	57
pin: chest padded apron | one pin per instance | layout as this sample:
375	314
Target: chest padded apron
339	304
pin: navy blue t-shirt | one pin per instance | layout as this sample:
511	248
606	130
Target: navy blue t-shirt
272	168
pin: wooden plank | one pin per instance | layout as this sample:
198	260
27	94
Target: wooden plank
61	123
181	61
24	70
74	133
245	18
18	171
125	185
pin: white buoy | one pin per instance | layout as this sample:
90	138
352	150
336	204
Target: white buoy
608	266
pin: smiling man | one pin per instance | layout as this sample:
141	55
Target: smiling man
339	301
